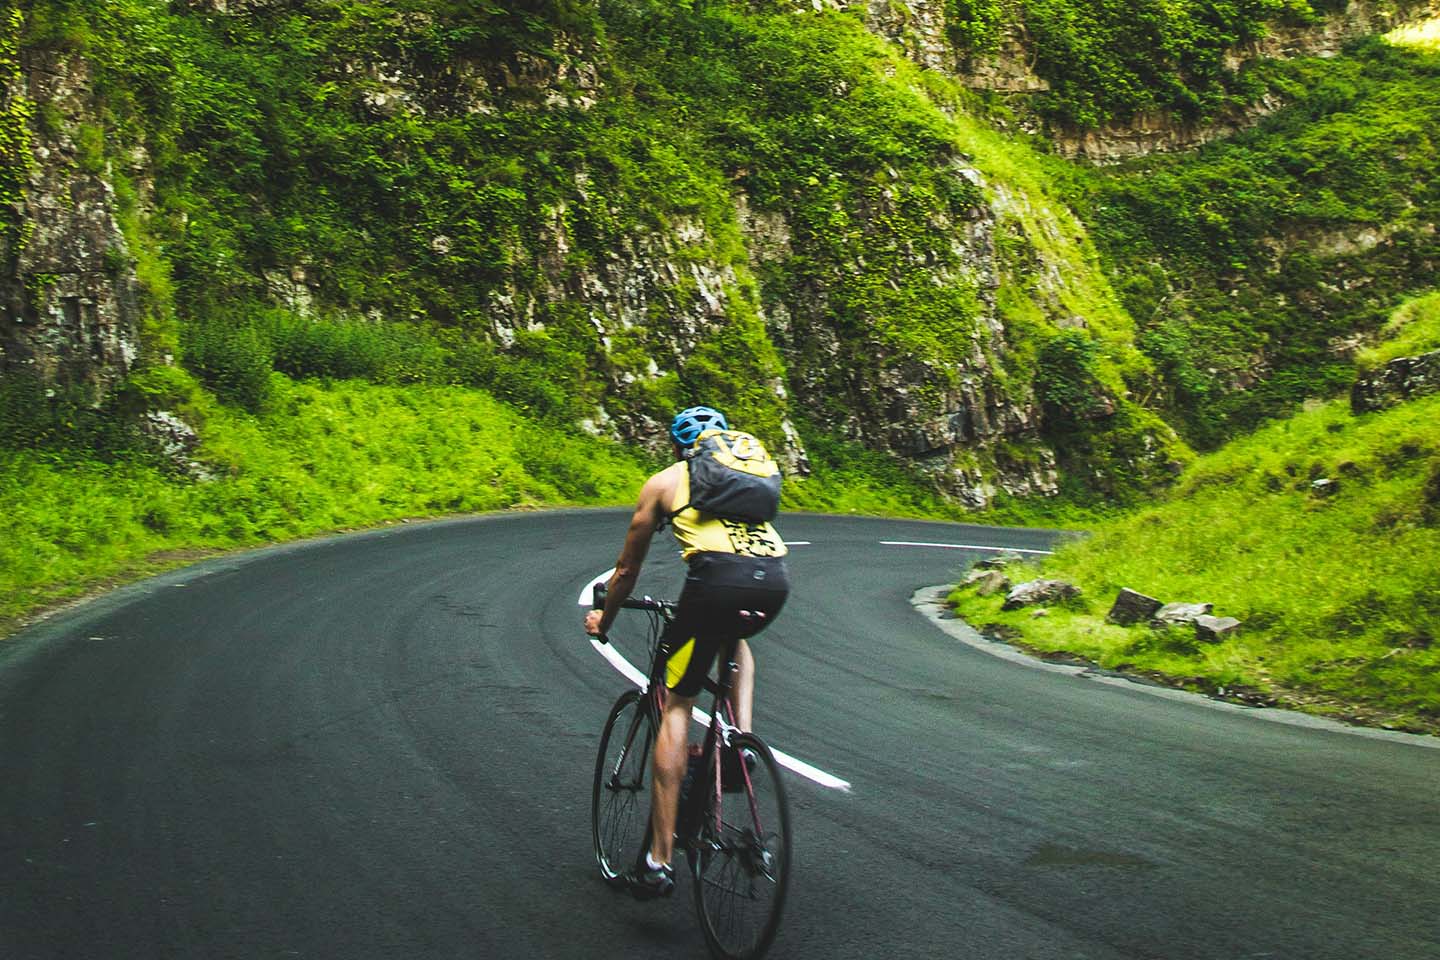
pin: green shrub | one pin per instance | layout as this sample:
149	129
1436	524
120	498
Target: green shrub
1067	377
64	421
1110	60
974	26
1412	330
232	358
1221	253
345	349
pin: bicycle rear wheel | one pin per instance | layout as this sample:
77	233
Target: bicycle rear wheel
742	860
620	804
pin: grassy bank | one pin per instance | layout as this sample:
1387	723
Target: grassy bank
1338	592
326	456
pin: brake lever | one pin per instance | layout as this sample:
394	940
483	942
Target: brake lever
597	602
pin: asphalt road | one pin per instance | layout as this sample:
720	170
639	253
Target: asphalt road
380	746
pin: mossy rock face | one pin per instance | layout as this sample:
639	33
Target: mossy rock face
1403	378
598	213
520	196
72	313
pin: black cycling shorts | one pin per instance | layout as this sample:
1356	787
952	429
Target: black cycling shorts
717	589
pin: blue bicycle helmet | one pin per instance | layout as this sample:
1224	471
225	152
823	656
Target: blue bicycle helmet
689	423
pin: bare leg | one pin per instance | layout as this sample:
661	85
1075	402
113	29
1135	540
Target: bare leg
669	770
742	693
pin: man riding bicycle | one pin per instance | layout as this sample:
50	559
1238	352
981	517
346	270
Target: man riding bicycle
735	585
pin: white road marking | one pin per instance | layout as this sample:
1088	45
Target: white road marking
587	593
961	546
629	671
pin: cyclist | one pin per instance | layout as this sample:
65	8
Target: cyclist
735	584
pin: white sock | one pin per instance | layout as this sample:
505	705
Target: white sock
650	861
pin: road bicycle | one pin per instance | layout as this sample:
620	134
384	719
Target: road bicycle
734	821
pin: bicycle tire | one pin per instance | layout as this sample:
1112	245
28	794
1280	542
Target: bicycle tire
620	801
742	867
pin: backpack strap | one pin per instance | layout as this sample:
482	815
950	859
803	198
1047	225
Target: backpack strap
669	518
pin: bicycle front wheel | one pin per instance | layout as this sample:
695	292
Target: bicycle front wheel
742	858
620	804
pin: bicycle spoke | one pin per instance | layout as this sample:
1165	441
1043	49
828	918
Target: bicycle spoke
743	869
620	802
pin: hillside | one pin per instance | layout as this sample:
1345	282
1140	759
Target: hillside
229	228
1319	533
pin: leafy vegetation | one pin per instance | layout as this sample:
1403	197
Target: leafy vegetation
15	115
1248	262
362	229
322	457
319	458
1336	584
1412	330
1113	60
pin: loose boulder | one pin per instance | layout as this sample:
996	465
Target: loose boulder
998	562
1039	591
1173	613
993	582
1132	607
1210	629
986	582
1403	378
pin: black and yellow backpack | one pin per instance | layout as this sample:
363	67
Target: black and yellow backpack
733	476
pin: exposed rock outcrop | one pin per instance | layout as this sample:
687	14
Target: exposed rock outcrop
1401	379
1039	591
1132	607
1008	70
956	412
69	293
915	26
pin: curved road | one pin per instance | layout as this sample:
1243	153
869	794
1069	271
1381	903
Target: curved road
380	746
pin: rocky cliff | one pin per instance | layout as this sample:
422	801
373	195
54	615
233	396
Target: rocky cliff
1156	132
1008	69
67	281
899	309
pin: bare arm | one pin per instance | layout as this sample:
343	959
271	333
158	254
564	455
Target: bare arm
651	510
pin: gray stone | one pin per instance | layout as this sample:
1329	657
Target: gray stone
1173	613
177	441
1132	607
985	581
69	304
1403	378
1214	629
975	575
1039	591
1325	487
999	561
993	582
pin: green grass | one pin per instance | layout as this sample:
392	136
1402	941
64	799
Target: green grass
1423	36
1339	594
1413	329
321	458
324	456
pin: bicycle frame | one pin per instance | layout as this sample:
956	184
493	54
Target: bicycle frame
740	865
719	730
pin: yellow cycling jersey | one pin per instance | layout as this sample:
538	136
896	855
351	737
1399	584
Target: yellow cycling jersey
701	532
